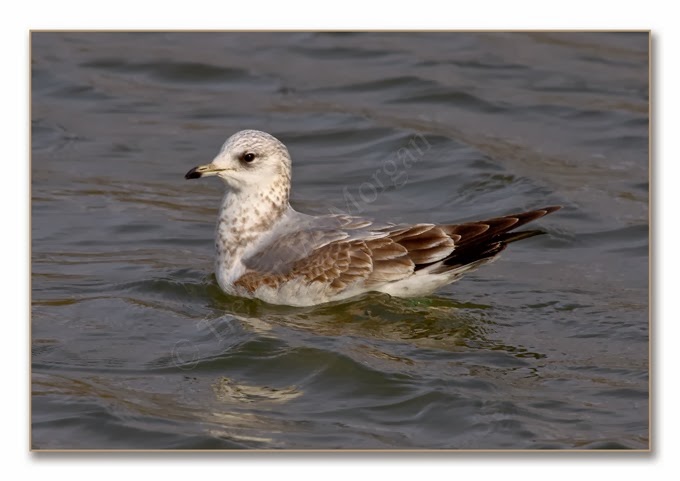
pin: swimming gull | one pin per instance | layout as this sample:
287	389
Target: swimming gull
269	251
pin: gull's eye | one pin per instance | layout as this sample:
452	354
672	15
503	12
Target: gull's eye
248	157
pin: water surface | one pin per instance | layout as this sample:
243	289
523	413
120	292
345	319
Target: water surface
134	345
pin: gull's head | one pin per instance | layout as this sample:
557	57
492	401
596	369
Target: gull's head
248	159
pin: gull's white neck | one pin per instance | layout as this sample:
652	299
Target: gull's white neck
245	218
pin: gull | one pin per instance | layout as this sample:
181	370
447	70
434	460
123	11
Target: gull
267	250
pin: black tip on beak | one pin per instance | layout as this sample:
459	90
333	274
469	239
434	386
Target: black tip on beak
192	174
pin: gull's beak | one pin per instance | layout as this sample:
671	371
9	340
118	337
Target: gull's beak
201	171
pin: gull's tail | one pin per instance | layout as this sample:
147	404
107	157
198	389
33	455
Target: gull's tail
476	243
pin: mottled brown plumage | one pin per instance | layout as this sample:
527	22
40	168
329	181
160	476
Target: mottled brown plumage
267	250
402	252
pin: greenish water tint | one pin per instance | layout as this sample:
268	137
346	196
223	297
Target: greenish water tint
134	345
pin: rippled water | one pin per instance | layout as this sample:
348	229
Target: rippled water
134	345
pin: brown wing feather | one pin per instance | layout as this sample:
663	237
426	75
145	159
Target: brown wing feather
391	261
404	250
341	264
424	243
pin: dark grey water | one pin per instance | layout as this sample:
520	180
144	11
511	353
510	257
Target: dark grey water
134	345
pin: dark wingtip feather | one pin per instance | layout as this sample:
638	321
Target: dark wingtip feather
515	236
486	239
529	216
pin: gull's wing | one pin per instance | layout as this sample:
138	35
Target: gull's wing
301	236
338	265
340	256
